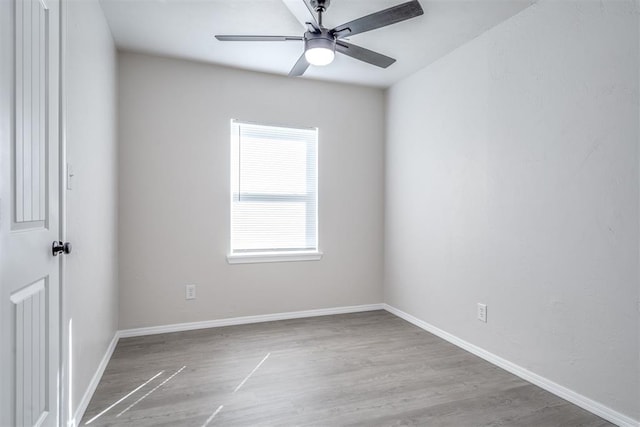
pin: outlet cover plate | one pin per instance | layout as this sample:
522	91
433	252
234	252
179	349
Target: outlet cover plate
190	292
482	312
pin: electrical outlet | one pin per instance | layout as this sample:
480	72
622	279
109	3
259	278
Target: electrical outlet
482	312
190	292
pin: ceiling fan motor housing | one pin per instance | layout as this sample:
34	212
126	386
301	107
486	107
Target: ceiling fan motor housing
323	39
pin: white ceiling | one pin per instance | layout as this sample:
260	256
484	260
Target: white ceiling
185	29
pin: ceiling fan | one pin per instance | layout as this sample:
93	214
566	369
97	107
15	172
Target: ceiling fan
320	43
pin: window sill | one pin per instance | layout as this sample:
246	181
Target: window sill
273	257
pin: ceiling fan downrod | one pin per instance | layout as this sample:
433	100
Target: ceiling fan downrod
320	6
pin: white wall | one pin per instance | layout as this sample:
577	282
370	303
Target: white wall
512	179
174	192
91	290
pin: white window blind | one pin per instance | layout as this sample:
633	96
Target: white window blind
274	187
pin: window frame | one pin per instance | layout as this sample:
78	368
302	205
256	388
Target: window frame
284	255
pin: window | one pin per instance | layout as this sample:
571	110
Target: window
274	193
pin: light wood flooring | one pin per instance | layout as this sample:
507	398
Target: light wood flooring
367	369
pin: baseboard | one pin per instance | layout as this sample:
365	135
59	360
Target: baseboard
93	384
247	319
542	382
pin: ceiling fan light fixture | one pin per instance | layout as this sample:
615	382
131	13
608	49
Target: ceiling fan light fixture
319	56
319	51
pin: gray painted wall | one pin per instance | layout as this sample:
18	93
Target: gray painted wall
91	289
174	127
512	180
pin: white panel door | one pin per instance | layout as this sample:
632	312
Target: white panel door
29	212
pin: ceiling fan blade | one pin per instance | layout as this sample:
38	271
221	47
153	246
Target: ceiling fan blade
258	38
300	67
380	19
363	54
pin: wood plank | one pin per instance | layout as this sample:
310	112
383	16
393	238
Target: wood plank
27	130
37	100
19	135
27	363
19	325
44	39
43	351
35	365
356	369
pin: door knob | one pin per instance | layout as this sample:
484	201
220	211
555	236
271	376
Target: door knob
60	247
